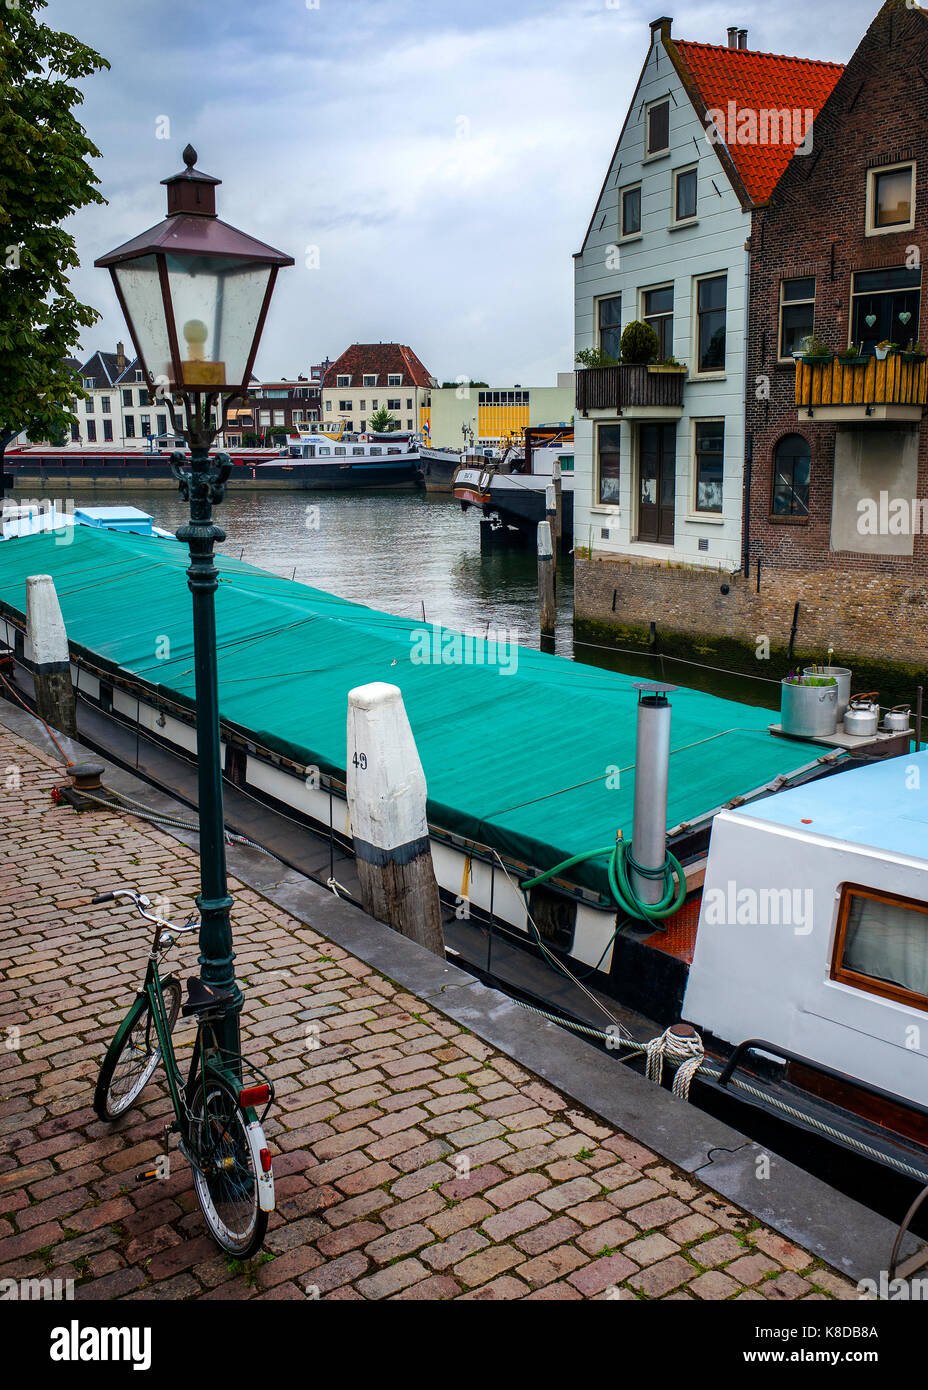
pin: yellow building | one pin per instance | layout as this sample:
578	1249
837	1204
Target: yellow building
457	415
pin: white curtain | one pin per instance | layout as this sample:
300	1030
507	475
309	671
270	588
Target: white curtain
888	941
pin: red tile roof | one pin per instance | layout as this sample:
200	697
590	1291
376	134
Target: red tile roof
382	359
757	82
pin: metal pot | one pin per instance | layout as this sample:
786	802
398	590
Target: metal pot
862	716
842	675
896	720
808	711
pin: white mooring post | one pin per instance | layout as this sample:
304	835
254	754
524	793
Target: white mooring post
551	517
386	803
547	612
47	645
652	771
558	507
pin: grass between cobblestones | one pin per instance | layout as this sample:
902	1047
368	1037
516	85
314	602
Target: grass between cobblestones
412	1160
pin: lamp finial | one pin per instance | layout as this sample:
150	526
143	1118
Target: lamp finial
190	156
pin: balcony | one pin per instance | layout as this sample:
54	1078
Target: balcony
836	392
654	393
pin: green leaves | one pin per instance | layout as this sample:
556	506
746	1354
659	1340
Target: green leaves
45	176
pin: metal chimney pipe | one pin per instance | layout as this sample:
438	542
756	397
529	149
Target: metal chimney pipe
733	36
742	38
652	769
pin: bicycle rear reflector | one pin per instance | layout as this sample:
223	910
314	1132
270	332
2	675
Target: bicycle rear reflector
254	1095
265	1160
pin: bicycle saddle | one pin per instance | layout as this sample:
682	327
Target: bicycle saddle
201	997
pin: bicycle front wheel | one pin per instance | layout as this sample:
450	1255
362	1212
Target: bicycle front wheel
134	1054
224	1174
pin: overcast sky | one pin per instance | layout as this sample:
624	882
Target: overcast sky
444	158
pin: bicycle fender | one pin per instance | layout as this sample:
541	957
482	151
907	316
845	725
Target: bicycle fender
261	1154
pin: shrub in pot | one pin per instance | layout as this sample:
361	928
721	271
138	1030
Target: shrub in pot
640	344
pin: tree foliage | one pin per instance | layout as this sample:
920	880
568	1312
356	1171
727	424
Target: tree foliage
45	176
381	422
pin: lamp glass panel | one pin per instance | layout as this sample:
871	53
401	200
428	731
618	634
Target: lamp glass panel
140	286
217	304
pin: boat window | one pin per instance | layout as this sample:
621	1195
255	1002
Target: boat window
357	451
882	945
341	450
324	450
378	452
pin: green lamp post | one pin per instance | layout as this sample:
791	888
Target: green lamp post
195	293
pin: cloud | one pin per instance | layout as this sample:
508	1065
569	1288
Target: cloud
444	158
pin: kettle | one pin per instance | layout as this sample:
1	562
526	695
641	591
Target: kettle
896	720
862	716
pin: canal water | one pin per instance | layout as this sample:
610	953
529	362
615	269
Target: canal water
413	554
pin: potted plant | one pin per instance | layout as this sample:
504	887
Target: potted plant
595	357
852	356
883	349
668	365
640	344
800	351
808	705
916	353
818	350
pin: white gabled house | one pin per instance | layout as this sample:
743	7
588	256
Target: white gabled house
659	454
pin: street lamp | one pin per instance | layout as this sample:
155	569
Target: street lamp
195	293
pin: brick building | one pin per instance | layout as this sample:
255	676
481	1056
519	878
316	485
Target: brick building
836	443
371	376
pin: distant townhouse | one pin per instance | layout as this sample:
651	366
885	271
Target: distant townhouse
276	408
659	451
370	376
838	511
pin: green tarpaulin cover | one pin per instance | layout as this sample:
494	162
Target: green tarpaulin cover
537	763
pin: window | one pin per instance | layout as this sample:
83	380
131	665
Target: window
328	405
610	325
364	405
360	448
162	423
797	314
264	418
792	466
395	379
658	312
108	431
890	199
344	406
710	451
127	397
631	211
409	424
711	296
370	379
409	405
884	307
89	383
89	405
609	439
146	426
374	404
105	405
881	945
280	417
340	449
91	431
343	381
75	434
139	376
130	427
363	429
393	404
658	123
684	200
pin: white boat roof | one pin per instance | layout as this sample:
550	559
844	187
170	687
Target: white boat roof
883	806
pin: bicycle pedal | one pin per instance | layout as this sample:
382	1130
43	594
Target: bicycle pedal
147	1175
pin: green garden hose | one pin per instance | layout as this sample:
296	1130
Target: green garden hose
620	862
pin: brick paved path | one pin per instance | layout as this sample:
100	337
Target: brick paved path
412	1160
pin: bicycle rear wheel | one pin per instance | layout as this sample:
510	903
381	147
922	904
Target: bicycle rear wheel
134	1053
225	1177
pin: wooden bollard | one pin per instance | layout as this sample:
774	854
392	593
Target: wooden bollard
547	612
386	803
551	519
558	507
47	646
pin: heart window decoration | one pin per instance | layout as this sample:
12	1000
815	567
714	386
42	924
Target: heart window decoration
904	316
870	320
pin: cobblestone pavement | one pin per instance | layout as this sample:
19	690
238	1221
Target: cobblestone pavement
412	1160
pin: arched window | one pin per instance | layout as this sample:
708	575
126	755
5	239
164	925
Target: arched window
792	466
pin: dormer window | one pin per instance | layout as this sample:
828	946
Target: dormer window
395	379
343	381
657	121
139	376
370	379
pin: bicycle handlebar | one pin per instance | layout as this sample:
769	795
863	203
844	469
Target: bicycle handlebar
141	902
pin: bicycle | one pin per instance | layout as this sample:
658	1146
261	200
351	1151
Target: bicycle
216	1118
